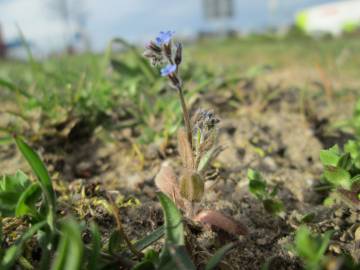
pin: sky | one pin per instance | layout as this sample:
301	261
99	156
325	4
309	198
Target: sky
137	20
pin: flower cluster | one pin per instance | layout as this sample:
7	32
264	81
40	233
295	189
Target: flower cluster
161	52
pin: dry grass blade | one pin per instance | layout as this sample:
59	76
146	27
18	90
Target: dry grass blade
185	150
217	219
166	182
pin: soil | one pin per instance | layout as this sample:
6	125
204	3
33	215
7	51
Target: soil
276	131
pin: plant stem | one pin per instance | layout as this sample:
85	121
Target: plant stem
186	115
121	229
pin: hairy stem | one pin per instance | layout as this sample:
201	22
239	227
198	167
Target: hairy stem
186	115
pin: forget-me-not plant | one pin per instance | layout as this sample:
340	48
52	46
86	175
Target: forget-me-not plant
197	144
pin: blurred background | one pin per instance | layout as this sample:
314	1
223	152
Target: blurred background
52	26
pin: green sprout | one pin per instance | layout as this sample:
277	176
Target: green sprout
311	248
259	188
342	171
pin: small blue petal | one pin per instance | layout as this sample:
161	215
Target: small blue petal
166	71
164	37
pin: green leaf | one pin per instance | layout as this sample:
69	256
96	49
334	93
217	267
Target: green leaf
11	189
149	261
324	240
338	177
257	185
70	250
306	246
93	263
28	199
13	253
353	148
330	157
116	242
180	259
311	248
218	256
308	217
43	177
174	228
345	162
144	265
174	233
149	239
273	206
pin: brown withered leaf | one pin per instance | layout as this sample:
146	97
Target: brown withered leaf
167	183
185	150
219	220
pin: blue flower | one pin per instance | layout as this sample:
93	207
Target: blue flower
164	37
169	69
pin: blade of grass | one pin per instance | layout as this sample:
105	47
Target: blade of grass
13	88
43	177
180	259
70	250
217	257
149	239
95	247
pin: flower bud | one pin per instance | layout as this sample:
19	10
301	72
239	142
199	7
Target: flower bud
178	54
168	51
192	187
175	81
152	46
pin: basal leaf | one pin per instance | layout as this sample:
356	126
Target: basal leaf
174	232
174	228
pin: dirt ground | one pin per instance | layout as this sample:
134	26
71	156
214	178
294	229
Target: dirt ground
275	128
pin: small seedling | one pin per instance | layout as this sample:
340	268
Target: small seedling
311	248
259	188
197	144
342	171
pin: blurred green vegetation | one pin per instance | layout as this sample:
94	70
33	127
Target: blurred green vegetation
119	89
